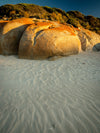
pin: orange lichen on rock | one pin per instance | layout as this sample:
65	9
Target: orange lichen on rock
42	23
64	28
23	20
77	29
16	23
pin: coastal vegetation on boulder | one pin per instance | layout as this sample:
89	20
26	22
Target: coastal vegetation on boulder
75	18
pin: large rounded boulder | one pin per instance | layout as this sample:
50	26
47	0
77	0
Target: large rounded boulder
11	34
47	40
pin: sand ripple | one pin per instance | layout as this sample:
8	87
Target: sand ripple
61	96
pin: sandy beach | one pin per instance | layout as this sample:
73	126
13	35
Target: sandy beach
41	96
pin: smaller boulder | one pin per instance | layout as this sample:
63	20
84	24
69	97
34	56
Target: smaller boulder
96	47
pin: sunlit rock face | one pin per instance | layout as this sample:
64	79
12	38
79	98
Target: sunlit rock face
48	39
11	34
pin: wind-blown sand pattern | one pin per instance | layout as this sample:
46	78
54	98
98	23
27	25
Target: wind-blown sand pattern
41	96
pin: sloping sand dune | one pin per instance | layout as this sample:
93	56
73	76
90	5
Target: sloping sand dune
41	96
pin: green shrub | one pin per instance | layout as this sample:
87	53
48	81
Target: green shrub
73	22
49	9
93	21
60	11
85	24
76	14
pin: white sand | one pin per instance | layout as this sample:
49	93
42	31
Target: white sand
61	96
